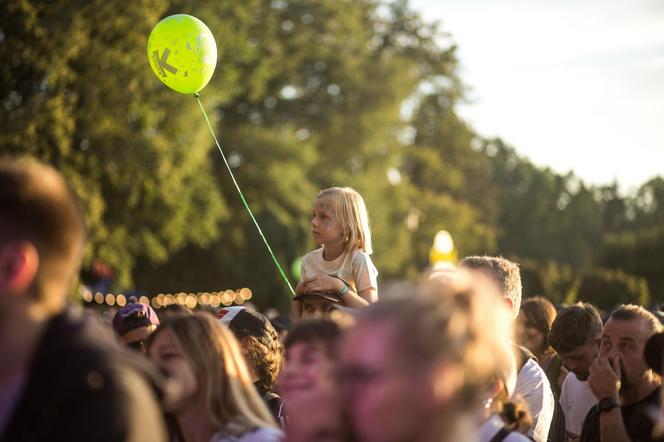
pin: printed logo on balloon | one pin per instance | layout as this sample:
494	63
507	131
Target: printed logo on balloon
182	53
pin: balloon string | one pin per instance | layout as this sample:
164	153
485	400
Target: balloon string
244	201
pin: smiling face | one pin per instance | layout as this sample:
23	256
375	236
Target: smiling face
308	369
325	226
166	352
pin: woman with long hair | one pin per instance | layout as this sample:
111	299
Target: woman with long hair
218	401
534	324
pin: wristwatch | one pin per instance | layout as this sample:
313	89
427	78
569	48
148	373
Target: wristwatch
607	404
344	290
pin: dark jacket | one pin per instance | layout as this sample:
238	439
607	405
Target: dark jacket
84	386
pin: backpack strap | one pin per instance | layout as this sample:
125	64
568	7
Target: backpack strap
268	396
522	354
501	435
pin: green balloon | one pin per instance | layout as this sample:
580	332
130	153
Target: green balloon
295	268
182	53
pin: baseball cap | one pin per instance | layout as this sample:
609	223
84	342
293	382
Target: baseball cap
133	316
329	295
245	322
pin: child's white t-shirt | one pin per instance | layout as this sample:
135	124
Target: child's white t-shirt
355	268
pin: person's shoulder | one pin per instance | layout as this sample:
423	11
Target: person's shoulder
81	349
531	377
568	384
314	254
360	257
531	369
73	336
569	380
78	368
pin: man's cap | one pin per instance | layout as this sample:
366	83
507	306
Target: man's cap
245	322
329	295
133	316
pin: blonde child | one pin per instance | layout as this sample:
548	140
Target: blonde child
340	225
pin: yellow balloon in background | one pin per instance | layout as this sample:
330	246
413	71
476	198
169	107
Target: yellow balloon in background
182	53
443	249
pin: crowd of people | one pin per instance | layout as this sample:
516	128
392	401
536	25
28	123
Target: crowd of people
453	356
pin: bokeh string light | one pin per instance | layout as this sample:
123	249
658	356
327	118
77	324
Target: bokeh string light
191	300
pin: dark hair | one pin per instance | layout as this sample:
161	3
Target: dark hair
312	331
261	346
516	415
282	323
173	309
505	272
540	313
630	311
37	206
574	326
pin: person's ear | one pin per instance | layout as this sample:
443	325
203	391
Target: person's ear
497	388
19	261
509	303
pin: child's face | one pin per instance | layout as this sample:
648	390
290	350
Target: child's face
308	369
325	227
316	307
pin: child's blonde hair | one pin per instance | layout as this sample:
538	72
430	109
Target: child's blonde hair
349	208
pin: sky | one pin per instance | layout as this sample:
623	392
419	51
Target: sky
571	84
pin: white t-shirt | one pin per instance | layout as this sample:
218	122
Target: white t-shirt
355	268
533	387
259	435
492	426
576	399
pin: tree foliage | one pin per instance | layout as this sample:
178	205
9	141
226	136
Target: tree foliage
608	288
307	94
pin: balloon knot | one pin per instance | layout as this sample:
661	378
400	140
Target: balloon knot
196	95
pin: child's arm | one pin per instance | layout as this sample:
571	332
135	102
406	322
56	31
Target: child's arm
358	300
370	295
365	275
297	305
351	299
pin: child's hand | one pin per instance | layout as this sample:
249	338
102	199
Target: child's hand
321	283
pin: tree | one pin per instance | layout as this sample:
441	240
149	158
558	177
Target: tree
79	96
544	216
336	75
608	288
